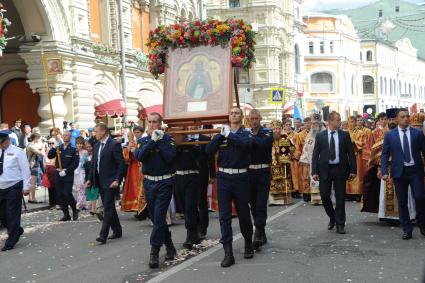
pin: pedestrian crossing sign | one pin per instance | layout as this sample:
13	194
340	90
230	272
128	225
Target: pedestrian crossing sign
277	95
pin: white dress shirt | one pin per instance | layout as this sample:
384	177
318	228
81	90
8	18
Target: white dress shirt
15	168
401	134
100	150
336	138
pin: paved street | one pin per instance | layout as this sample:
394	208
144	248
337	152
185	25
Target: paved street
300	249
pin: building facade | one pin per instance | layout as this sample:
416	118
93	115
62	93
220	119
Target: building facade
393	75
84	36
332	65
273	21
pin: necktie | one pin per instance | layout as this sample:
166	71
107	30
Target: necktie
332	151
1	161
100	154
101	148
406	148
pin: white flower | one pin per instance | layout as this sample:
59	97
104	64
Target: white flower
7	22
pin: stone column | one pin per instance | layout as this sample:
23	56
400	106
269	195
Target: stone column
58	105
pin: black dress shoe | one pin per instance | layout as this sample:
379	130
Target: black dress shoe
75	215
101	241
340	229
115	236
6	248
407	236
331	224
65	218
249	249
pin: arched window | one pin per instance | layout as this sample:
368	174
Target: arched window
368	85
311	47
381	85
322	47
399	88
297	60
353	83
391	87
331	47
322	82
410	89
361	56
369	56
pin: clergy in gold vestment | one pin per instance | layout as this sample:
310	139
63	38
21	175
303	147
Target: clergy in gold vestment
281	183
370	199
300	171
360	137
306	159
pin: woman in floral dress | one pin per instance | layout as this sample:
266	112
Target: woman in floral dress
79	189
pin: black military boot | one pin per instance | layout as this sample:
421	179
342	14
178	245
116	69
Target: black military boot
66	216
154	257
263	236
257	238
194	235
249	249
188	244
228	259
169	246
74	212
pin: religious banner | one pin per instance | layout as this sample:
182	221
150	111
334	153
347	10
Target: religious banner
197	59
198	84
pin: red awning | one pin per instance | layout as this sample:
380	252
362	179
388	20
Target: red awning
108	101
149	101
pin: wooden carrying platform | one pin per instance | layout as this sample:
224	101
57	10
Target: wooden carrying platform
177	133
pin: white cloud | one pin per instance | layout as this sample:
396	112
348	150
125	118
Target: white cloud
318	5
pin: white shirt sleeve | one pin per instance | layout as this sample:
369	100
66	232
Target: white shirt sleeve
25	169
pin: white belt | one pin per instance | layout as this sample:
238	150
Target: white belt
187	172
232	171
158	178
258	166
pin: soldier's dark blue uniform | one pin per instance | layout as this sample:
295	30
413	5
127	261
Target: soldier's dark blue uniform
259	180
234	156
206	172
158	169
63	185
187	182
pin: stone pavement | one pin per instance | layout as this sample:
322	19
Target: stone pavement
300	249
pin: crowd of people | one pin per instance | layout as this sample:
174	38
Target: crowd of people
153	172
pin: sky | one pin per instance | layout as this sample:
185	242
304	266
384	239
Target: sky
318	5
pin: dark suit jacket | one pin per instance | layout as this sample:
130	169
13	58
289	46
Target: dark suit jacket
320	161
392	147
111	164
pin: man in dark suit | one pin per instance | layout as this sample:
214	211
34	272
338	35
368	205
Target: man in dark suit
334	163
107	174
405	145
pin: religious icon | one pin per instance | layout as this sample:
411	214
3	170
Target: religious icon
54	66
198	83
